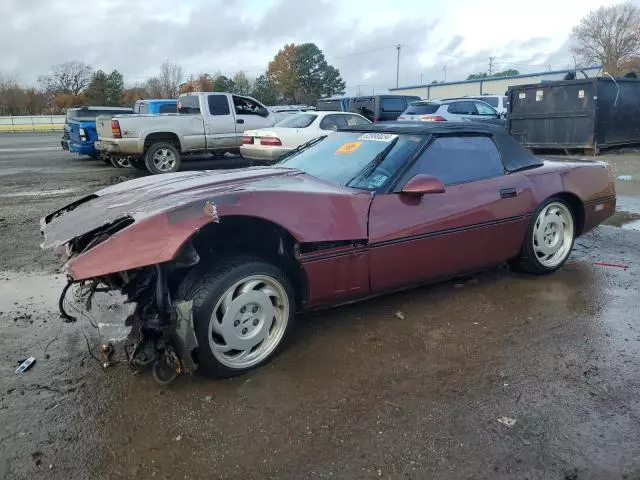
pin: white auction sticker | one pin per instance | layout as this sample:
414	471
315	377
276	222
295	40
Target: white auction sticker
378	137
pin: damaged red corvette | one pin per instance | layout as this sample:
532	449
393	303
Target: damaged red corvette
213	265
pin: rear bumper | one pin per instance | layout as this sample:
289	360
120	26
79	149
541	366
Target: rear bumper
64	144
124	146
82	148
267	154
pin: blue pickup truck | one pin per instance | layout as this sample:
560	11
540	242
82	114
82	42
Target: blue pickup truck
80	132
156	107
80	128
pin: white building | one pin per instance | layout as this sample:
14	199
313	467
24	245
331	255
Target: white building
486	86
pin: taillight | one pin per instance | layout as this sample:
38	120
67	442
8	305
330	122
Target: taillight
115	129
271	141
433	118
376	119
247	140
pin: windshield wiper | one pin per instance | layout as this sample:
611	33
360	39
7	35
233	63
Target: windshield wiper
377	160
299	148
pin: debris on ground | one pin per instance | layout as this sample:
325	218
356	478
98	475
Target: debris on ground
607	264
208	398
509	422
178	438
25	365
625	178
399	315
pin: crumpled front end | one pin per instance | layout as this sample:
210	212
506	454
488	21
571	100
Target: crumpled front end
134	310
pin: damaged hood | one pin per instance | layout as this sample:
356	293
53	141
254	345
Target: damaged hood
145	197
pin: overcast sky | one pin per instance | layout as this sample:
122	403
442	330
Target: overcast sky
357	36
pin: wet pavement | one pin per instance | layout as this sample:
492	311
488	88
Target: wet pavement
404	386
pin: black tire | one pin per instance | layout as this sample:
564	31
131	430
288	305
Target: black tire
527	261
138	163
119	162
105	159
204	285
153	149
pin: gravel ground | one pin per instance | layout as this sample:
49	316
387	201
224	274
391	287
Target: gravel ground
360	392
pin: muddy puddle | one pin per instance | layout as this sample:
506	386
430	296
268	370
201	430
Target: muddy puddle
627	214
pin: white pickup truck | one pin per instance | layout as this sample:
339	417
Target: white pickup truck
205	122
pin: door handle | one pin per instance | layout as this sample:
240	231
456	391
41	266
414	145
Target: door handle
240	120
508	193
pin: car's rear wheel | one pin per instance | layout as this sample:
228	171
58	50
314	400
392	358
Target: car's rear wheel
162	158
549	238
120	162
242	310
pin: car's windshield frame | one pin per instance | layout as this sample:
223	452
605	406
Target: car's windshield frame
357	180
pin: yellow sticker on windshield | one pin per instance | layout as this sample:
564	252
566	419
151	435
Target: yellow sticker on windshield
348	148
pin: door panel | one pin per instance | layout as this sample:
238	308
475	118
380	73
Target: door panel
468	227
220	123
247	117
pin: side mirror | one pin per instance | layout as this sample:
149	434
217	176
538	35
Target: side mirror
263	112
423	184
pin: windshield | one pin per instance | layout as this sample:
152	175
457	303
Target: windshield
354	158
299	120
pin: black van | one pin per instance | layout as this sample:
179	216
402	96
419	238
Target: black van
381	108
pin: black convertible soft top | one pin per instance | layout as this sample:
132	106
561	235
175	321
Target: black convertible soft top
514	156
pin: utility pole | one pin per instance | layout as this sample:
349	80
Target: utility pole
358	90
420	79
491	59
444	70
398	66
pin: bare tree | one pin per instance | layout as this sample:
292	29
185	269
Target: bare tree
609	35
153	88
170	78
70	78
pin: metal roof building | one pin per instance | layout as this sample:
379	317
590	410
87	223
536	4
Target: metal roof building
486	86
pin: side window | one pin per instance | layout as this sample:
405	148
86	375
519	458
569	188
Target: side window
458	160
189	104
167	108
390	104
485	110
356	120
463	108
333	122
245	106
218	105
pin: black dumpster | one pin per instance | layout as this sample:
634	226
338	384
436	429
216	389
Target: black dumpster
590	114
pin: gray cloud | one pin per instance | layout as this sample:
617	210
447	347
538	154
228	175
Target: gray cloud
453	45
214	35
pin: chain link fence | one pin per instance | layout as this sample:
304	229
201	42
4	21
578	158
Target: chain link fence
32	123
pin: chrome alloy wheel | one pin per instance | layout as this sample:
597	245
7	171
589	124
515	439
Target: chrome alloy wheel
248	321
164	160
553	234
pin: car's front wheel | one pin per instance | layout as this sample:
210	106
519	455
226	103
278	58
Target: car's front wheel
243	310
549	238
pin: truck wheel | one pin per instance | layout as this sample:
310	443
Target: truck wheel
120	162
243	310
549	238
138	163
162	158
